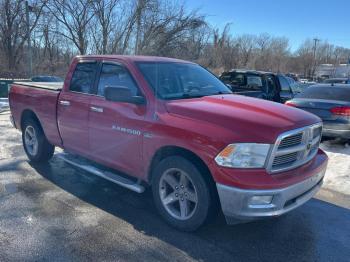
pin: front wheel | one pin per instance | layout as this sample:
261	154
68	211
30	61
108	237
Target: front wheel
181	194
35	144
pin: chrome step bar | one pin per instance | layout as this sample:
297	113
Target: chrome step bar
119	180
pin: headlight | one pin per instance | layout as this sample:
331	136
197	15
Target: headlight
244	155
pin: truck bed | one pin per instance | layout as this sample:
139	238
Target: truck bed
41	99
56	86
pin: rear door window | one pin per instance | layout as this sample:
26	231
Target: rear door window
254	82
284	84
327	93
83	77
233	79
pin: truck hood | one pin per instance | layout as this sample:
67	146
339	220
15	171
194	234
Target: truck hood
249	119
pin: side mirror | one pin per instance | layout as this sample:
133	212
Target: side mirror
122	94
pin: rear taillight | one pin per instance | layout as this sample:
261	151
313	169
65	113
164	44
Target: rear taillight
341	110
289	103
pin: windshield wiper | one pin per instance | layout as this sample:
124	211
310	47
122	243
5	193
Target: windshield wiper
188	95
194	95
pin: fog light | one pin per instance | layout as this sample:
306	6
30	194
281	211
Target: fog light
260	200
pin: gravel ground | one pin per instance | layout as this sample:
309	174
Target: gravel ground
54	212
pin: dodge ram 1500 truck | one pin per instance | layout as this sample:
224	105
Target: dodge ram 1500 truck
174	126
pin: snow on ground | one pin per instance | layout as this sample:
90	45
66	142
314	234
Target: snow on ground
4	104
337	175
338	172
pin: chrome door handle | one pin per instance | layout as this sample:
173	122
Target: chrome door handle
96	109
64	103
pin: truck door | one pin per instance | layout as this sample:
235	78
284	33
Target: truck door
115	128
286	91
73	108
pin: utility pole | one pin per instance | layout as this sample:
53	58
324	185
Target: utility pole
30	62
316	40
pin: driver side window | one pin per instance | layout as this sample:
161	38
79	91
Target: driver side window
113	75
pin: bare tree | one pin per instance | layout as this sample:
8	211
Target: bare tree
75	17
105	18
165	27
61	29
13	28
246	45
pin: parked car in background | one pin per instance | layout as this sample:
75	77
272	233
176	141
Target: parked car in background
265	85
331	102
341	80
172	125
46	79
290	80
303	80
299	87
293	76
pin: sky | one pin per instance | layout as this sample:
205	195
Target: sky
295	19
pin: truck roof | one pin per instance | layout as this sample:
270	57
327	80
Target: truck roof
133	58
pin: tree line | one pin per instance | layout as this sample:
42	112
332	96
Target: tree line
61	29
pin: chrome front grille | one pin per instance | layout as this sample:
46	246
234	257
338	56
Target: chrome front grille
294	148
291	141
285	159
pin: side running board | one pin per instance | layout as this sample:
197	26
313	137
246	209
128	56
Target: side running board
122	181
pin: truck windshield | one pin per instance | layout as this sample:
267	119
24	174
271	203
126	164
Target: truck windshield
181	80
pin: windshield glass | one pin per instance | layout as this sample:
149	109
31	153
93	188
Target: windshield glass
181	80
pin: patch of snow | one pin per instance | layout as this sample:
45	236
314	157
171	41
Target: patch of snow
4	104
338	172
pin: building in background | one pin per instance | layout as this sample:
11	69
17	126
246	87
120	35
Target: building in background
331	71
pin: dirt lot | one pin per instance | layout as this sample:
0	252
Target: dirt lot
54	212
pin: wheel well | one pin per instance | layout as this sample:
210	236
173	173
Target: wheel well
28	114
167	151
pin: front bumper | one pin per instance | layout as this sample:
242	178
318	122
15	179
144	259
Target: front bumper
236	203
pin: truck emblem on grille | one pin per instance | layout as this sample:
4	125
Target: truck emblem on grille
309	142
308	147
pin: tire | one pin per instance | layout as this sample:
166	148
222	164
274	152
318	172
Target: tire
182	212
35	144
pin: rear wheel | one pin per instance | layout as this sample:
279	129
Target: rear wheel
35	144
181	194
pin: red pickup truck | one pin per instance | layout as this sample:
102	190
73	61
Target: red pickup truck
173	125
